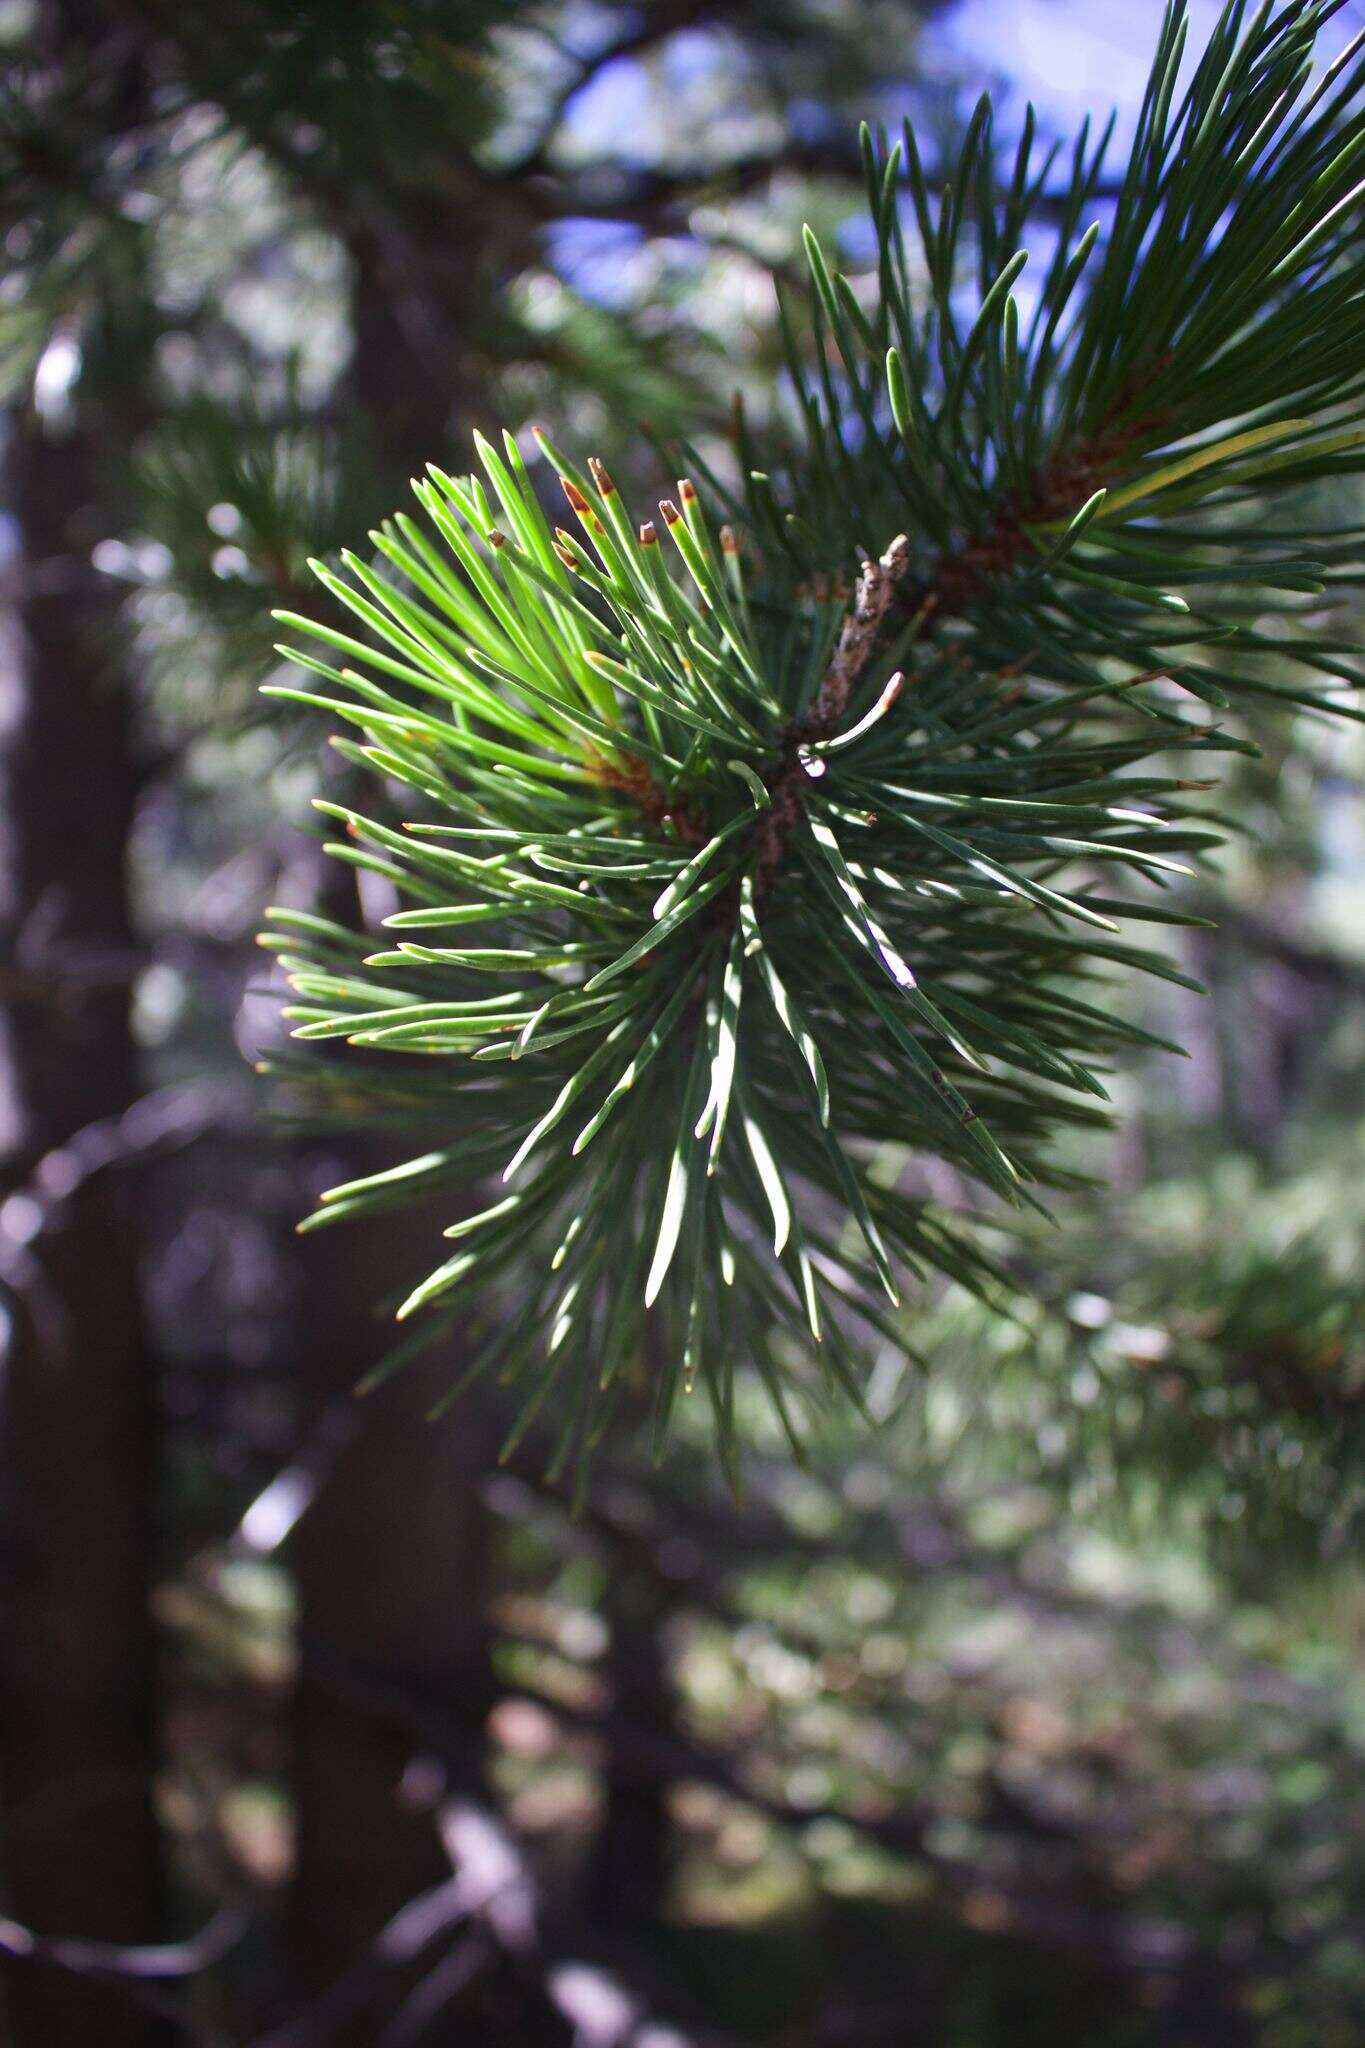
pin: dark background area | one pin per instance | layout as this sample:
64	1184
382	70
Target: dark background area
1035	1715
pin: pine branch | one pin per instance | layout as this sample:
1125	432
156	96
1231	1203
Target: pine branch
781	919
878	584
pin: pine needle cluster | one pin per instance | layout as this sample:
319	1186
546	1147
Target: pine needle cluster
768	864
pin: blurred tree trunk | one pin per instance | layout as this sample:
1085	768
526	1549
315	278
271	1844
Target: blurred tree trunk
392	1565
392	1559
631	1866
77	1734
632	1861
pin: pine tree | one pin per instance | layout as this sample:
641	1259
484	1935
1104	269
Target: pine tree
807	821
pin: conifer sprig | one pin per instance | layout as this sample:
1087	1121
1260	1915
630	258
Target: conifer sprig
764	880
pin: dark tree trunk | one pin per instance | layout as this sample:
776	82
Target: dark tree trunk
77	1734
392	1560
632	1861
392	1566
